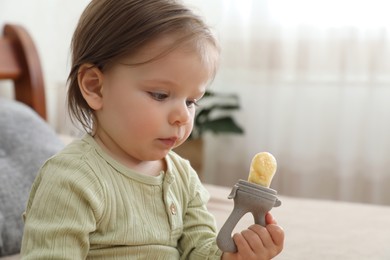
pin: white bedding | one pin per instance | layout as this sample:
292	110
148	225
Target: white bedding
318	229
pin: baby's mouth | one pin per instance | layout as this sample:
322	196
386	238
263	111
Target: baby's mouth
169	141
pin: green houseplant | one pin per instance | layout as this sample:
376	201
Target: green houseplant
214	115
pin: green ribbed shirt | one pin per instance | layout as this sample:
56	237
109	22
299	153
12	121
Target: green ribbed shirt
85	205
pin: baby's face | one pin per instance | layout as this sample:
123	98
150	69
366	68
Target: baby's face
149	109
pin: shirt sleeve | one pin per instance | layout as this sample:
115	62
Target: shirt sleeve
199	228
65	205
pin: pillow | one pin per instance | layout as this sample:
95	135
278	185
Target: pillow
1	228
26	142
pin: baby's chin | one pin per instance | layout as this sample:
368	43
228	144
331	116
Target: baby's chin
153	155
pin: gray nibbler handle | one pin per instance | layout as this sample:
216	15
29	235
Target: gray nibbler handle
225	240
247	198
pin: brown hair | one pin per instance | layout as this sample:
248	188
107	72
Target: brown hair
109	30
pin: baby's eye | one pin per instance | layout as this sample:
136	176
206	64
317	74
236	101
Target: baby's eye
158	96
191	103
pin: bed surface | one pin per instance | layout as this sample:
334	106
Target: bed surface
319	229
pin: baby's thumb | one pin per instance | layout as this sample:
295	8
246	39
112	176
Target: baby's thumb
269	219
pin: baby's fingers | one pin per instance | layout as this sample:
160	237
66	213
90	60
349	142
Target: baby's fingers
277	234
264	239
242	244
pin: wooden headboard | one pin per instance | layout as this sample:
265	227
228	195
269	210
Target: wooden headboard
19	62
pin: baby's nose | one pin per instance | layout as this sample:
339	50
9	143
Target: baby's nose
180	114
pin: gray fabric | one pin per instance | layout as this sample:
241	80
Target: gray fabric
2	220
26	141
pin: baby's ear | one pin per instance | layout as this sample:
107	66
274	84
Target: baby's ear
90	80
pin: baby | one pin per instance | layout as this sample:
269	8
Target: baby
139	67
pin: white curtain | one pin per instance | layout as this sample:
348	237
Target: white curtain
314	82
313	77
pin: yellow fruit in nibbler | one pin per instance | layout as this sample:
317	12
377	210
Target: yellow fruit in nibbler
263	168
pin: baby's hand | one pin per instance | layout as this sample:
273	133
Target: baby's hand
258	242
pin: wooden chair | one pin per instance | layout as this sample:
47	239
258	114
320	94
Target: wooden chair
19	62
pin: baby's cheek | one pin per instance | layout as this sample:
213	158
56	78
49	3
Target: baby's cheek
185	136
186	131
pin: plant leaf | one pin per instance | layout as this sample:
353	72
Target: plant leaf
221	125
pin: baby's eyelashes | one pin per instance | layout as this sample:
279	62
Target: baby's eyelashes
158	96
191	103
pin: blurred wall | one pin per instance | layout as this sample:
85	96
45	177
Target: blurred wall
315	93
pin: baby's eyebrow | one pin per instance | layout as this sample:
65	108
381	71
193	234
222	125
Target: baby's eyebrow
161	81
